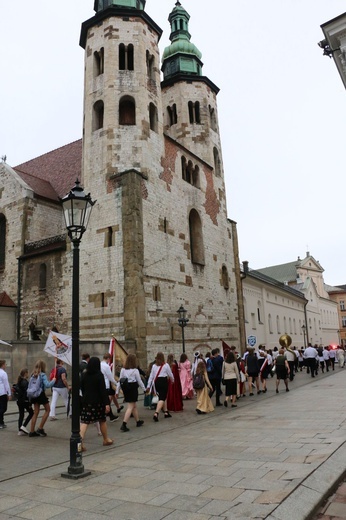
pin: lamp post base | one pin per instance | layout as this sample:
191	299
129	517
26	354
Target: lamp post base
76	476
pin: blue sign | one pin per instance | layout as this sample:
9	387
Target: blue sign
252	340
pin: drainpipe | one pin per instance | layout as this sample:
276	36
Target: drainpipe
19	292
306	323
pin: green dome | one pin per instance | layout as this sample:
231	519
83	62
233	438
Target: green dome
181	46
101	5
181	56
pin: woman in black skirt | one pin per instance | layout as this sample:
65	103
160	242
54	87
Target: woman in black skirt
95	400
158	382
129	381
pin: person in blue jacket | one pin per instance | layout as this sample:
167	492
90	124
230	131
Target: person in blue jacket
42	399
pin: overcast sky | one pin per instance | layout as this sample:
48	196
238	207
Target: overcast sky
282	108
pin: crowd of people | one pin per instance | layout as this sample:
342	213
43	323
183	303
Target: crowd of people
165	384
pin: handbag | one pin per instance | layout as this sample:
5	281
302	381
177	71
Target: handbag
155	399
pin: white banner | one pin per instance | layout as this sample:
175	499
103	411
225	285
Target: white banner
59	346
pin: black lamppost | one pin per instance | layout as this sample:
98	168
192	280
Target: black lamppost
183	321
77	208
304	332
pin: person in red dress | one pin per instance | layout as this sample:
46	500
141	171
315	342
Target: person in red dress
174	396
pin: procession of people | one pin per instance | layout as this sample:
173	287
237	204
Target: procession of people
167	382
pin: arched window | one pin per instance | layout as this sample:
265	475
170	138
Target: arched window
126	57
153	117
2	240
150	67
127	111
217	162
43	277
195	177
225	279
99	62
278	325
196	238
194	112
172	115
212	116
270	325
98	114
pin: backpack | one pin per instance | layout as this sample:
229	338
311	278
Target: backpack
15	392
210	366
34	387
124	384
198	382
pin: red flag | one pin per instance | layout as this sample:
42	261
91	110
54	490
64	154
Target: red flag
226	348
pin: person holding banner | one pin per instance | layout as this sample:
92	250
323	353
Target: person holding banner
60	388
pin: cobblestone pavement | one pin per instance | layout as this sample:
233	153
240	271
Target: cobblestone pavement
335	506
275	456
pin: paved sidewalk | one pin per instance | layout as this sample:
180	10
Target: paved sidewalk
275	456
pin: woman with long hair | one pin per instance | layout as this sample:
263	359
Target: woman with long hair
185	377
174	396
130	374
95	400
231	377
158	380
204	404
42	399
23	402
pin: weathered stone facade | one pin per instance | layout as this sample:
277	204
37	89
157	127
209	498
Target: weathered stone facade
158	236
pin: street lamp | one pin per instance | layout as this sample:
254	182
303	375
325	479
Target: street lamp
183	321
304	332
77	208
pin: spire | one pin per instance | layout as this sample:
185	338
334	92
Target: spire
182	56
101	5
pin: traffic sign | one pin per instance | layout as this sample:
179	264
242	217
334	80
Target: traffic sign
252	340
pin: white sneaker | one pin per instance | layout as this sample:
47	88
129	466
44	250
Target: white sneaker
24	430
21	433
53	418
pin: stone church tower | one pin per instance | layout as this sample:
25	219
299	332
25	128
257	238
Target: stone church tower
159	235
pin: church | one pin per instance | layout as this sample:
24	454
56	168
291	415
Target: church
159	236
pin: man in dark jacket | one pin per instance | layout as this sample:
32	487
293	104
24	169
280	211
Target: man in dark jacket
215	375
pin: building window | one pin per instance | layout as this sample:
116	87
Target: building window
342	305
212	117
225	278
278	325
151	67
270	325
153	117
172	115
190	173
126	60
194	112
156	293
217	162
98	114
127	111
43	277
344	321
2	240
99	62
253	321
196	238
109	237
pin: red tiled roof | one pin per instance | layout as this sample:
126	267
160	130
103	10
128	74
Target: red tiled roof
59	169
40	187
5	300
